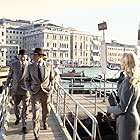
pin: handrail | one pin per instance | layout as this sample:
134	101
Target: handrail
62	108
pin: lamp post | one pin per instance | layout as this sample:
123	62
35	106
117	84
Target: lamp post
101	27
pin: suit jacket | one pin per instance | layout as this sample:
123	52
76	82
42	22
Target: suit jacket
33	82
128	119
16	78
129	96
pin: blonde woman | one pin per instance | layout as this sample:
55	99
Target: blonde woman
129	93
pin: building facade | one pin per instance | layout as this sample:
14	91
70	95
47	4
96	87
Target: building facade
96	51
12	37
66	45
115	51
2	34
81	44
55	40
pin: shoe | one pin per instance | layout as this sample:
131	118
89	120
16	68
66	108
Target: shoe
17	121
24	130
45	127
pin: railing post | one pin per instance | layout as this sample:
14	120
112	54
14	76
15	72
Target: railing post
95	101
72	82
94	126
100	95
75	122
64	110
112	87
57	104
90	91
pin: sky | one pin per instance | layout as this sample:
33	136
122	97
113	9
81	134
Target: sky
122	16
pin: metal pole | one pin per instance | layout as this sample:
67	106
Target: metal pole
106	60
95	101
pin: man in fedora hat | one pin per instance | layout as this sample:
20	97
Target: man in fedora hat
40	83
16	77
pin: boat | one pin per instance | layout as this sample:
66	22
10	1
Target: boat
72	73
84	78
113	66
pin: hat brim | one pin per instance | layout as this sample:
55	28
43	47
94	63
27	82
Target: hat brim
38	54
22	54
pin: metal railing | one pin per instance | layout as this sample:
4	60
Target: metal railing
66	105
4	112
62	109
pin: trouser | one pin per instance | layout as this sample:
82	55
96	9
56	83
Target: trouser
37	100
21	110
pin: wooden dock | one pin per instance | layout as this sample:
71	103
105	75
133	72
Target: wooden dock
53	133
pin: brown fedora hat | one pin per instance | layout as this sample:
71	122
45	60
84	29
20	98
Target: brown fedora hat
39	51
22	52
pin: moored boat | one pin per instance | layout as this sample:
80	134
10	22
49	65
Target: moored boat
113	66
72	73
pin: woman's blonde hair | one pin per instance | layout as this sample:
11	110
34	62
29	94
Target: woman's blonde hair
131	67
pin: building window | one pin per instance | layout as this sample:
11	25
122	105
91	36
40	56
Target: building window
54	54
54	37
75	45
81	45
2	33
47	44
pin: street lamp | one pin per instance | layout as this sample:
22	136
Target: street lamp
101	27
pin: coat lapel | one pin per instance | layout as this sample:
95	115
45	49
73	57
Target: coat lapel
46	70
25	70
18	67
35	70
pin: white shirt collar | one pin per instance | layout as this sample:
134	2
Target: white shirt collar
40	64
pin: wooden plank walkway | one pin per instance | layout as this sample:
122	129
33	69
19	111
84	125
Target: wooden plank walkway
53	133
88	102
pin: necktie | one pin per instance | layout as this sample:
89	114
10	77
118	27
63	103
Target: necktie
39	73
22	69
